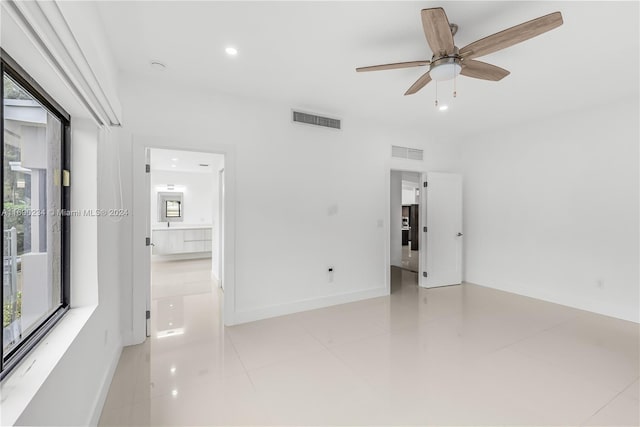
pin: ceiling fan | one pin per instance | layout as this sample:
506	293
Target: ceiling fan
448	61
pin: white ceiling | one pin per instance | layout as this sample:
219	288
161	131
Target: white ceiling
184	161
304	54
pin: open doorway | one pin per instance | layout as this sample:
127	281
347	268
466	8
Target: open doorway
405	228
185	222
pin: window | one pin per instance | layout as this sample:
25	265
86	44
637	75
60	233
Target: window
35	195
173	209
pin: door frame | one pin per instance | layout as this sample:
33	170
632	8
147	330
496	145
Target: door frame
141	253
421	219
221	220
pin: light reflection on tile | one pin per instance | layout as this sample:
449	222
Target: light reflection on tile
459	355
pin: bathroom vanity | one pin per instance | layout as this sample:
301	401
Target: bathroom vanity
181	239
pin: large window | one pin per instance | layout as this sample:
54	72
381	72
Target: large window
35	224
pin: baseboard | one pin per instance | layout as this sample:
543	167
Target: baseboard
181	257
304	305
104	387
584	305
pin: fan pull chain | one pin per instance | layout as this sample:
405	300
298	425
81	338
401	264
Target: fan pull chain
455	79
436	93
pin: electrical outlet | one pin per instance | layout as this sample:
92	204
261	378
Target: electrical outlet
330	273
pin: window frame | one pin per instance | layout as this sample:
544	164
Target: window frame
13	358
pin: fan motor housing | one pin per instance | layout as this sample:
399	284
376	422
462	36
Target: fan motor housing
445	67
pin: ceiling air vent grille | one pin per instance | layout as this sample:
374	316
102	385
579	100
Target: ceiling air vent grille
312	119
406	153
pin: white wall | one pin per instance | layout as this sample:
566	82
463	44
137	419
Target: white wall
410	183
409	196
198	194
551	209
285	244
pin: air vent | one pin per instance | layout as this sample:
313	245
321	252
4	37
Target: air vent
312	119
406	153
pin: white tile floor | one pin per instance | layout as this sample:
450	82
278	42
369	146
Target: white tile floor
460	355
409	258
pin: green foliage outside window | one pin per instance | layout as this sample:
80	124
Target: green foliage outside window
6	314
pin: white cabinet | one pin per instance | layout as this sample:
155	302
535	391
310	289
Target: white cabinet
180	241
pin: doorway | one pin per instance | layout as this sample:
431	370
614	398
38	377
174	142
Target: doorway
185	224
438	197
405	228
135	316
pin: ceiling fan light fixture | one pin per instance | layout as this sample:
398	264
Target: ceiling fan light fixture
447	61
445	69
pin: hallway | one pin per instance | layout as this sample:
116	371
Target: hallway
457	355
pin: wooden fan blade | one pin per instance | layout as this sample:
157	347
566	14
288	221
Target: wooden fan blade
511	36
437	30
482	70
393	66
419	84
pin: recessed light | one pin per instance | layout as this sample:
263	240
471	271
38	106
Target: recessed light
231	51
175	159
443	107
174	392
157	65
173	166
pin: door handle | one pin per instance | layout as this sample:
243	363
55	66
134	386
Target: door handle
459	234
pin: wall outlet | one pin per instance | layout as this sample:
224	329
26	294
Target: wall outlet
330	271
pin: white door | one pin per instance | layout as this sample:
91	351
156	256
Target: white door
442	211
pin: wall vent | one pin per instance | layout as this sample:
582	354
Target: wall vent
312	119
406	153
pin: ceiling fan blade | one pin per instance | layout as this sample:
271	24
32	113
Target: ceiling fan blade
482	70
393	66
437	30
511	36
419	84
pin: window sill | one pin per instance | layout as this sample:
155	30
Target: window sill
21	385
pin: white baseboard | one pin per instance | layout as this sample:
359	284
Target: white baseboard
304	305
104	388
556	299
181	257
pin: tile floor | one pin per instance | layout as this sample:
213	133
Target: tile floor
410	258
459	355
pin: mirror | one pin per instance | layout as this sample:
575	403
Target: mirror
170	207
